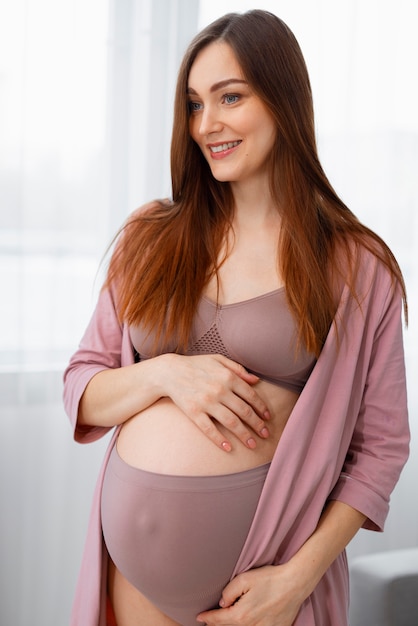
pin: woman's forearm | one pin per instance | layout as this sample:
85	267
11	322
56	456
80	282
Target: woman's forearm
337	526
114	395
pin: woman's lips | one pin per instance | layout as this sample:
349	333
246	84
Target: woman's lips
220	150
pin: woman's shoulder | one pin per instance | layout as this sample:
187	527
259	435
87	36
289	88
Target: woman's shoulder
365	255
367	267
153	208
138	224
133	239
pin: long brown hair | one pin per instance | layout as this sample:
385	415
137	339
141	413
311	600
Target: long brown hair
169	250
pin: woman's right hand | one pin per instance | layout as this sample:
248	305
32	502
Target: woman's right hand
212	388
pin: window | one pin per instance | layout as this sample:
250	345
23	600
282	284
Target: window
85	123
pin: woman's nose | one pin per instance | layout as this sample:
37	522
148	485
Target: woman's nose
210	121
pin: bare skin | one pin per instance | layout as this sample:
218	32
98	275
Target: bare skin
130	607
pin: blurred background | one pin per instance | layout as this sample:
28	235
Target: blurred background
86	92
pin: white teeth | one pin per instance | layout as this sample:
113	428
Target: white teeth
224	146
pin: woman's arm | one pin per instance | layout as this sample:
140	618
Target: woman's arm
337	526
272	595
114	395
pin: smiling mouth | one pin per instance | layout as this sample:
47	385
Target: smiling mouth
224	146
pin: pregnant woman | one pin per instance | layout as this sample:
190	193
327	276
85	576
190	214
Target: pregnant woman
246	348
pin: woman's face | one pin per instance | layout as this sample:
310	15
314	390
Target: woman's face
229	123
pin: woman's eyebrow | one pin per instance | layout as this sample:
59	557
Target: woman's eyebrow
220	85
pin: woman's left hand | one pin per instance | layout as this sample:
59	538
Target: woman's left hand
267	596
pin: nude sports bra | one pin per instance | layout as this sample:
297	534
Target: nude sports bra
259	333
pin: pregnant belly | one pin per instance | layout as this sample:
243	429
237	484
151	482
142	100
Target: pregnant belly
176	539
163	439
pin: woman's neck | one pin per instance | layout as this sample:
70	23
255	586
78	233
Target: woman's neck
253	205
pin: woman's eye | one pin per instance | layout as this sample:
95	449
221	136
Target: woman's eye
231	98
194	107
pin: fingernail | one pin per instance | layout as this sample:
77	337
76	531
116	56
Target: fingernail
221	602
251	443
264	432
226	446
266	415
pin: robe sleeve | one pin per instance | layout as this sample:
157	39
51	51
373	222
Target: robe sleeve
380	443
101	348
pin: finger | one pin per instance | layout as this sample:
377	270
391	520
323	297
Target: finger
208	428
217	617
250	396
234	590
238	369
236	426
227	614
244	410
241	381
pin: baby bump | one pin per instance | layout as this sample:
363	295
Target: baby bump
163	439
177	539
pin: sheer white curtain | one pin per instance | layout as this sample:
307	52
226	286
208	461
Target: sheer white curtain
86	90
85	122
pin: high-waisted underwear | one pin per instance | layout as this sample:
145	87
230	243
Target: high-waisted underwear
177	538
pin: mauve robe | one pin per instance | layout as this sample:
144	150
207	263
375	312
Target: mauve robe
347	439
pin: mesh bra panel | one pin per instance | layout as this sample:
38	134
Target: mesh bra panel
210	343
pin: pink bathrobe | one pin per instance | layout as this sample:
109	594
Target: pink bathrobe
347	439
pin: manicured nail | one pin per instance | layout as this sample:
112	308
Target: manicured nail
251	443
226	446
264	432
